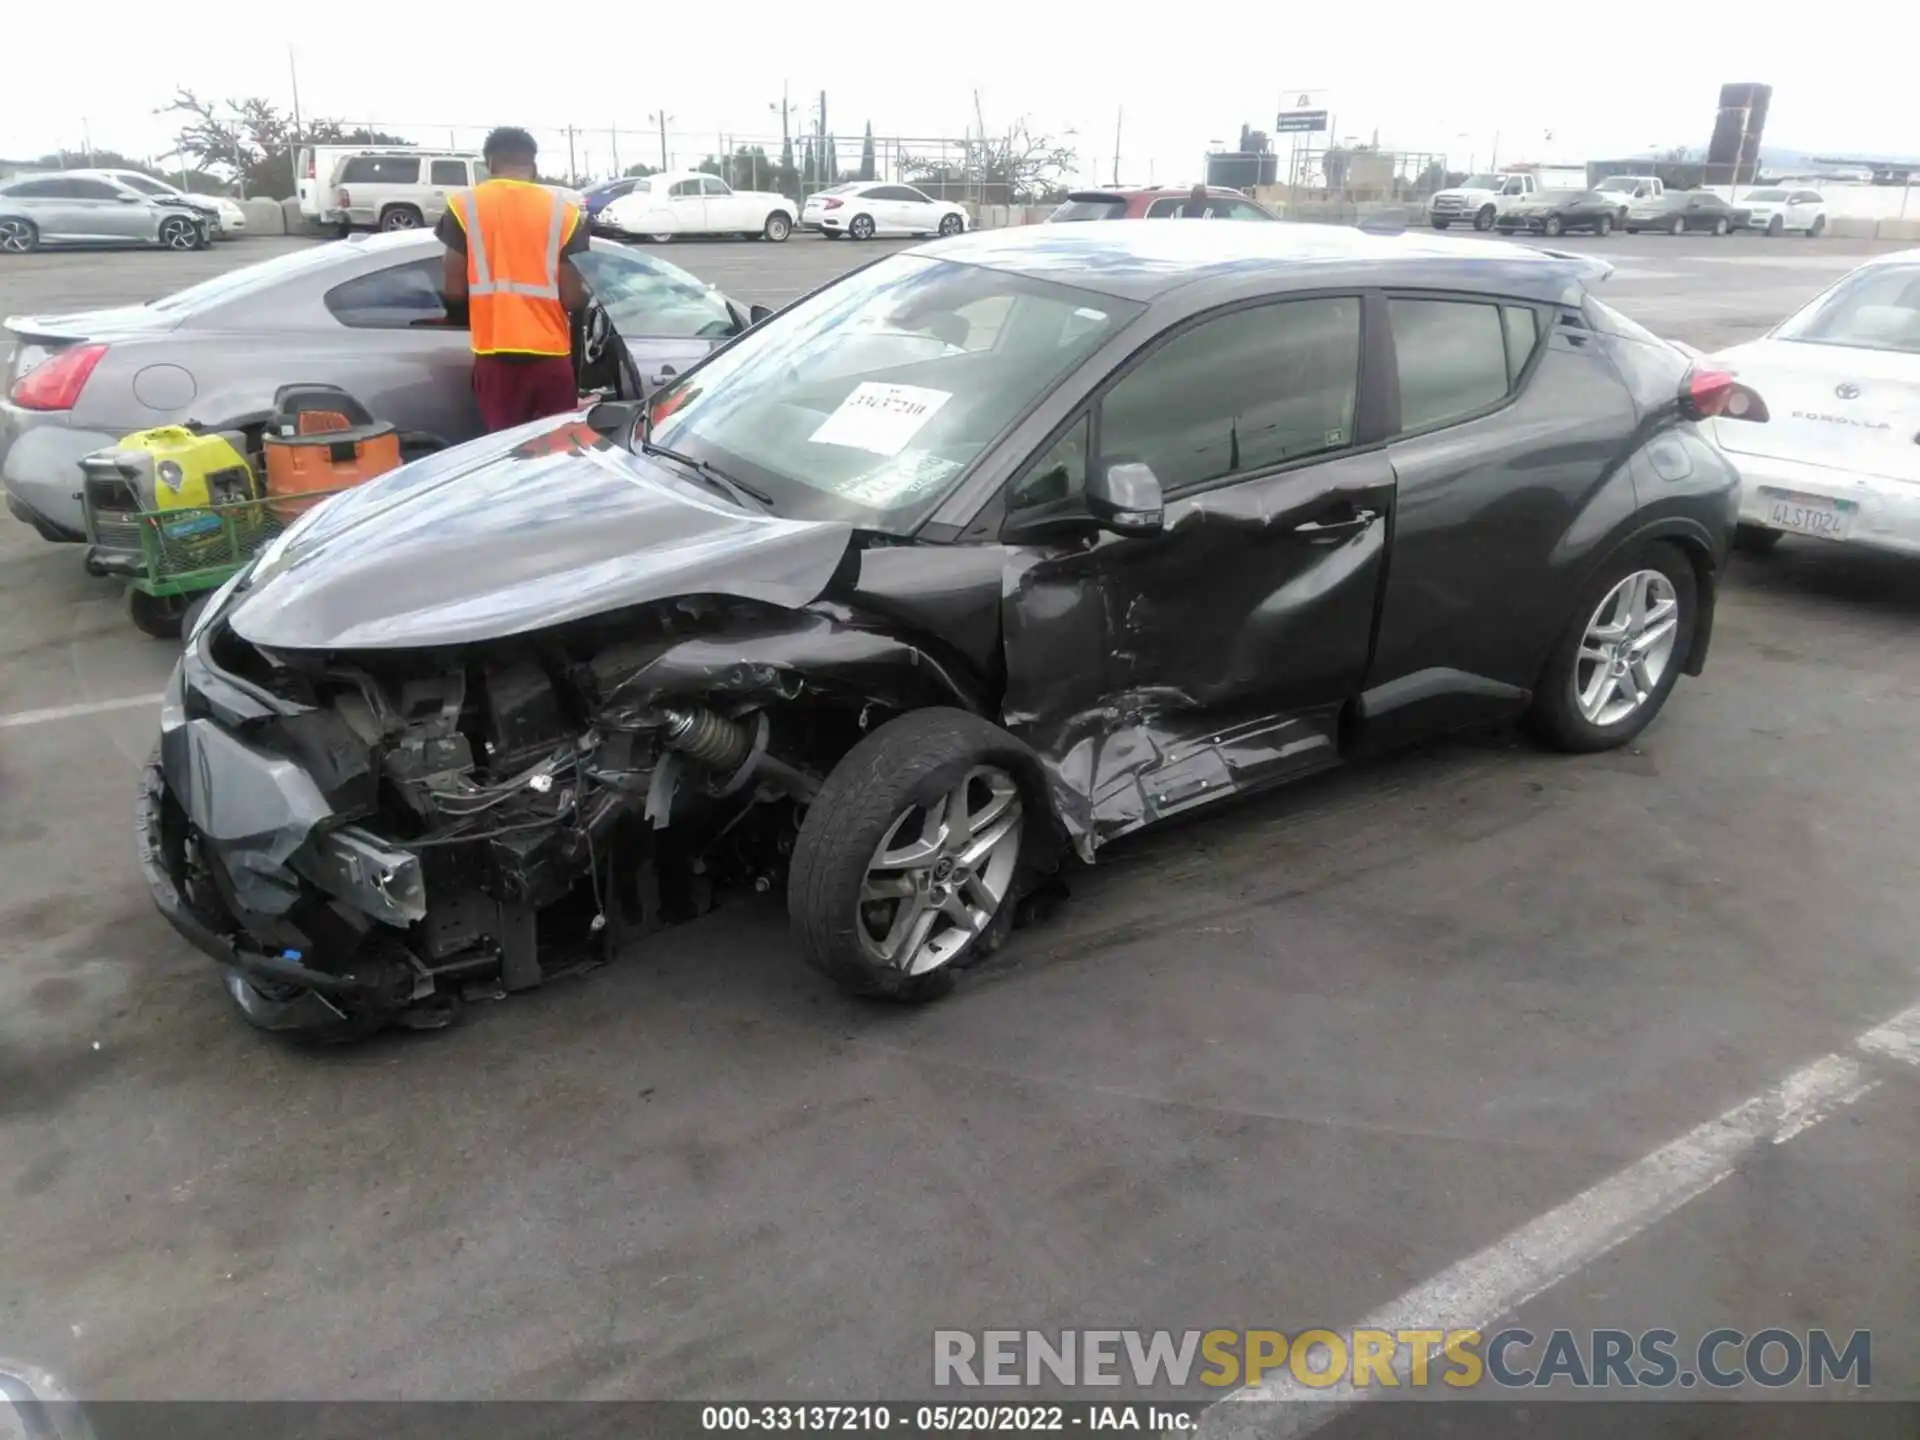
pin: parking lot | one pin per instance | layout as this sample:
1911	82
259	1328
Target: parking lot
1292	1065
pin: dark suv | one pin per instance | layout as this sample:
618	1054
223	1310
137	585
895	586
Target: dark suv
965	565
1152	203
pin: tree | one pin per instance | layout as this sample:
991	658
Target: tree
640	172
253	141
1021	165
866	155
196	180
829	163
809	172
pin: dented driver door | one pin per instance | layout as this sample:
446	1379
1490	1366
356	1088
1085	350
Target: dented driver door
1162	672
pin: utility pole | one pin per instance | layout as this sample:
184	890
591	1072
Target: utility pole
1118	116
613	139
572	170
660	118
293	74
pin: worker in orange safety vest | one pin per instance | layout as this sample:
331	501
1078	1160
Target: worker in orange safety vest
508	242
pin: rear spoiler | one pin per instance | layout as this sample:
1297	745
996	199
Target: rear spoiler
1592	267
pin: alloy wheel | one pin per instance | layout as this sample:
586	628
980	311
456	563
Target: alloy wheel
950	224
178	235
861	228
16	237
400	219
941	873
1627	648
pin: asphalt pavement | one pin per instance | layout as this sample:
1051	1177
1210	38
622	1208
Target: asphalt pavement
1452	1037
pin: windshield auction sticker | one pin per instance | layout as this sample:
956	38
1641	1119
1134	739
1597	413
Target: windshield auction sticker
880	418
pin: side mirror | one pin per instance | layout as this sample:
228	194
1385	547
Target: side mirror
757	313
1126	499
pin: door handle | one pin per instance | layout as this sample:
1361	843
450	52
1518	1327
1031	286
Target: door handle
1342	520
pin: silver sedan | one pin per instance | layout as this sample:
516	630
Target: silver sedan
364	314
76	209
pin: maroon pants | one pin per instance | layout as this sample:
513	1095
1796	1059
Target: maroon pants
513	390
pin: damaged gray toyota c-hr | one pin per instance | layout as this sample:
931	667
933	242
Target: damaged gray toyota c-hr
977	558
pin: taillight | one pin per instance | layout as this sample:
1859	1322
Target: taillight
309	165
1707	394
831	204
56	382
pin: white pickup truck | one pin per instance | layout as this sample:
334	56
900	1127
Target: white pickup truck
1628	188
1479	200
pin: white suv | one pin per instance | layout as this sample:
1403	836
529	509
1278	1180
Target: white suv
398	189
1782	208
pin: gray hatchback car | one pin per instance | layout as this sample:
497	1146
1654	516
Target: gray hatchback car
364	314
37	210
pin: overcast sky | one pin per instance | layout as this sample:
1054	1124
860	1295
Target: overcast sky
1604	79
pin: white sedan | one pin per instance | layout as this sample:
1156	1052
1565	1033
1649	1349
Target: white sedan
1825	424
689	202
1781	209
867	208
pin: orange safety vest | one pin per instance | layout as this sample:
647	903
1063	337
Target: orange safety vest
514	233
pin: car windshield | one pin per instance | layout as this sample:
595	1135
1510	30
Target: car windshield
249	279
1766	195
1483	182
1619	184
1091	207
1876	308
868	401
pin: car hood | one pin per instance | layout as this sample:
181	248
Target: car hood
517	532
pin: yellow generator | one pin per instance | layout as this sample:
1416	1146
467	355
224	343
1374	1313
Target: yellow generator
138	484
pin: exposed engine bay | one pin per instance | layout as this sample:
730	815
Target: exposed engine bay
486	818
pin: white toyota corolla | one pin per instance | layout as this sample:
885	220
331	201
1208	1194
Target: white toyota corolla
1825	428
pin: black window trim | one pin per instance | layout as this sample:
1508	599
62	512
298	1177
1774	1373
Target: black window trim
1369	432
1544	323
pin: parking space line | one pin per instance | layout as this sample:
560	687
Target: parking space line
1540	1254
69	712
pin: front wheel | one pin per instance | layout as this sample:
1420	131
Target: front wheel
952	224
156	615
906	866
1605	227
778	227
1722	226
177	233
1679	227
1622	652
861	228
1484	220
1554	225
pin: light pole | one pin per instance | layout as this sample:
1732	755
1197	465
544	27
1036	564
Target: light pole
660	118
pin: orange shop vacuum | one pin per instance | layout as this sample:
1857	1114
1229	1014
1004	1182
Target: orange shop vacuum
319	440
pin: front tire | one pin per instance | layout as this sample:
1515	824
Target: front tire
176	233
1605	227
156	615
861	227
908	863
1678	227
1776	227
1622	652
1554	225
1484	220
778	227
951	225
1722	226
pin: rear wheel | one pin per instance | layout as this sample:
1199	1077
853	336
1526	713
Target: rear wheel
1622	652
400	217
18	237
907	864
861	227
156	615
1756	539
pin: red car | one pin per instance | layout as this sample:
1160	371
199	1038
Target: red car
1150	202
